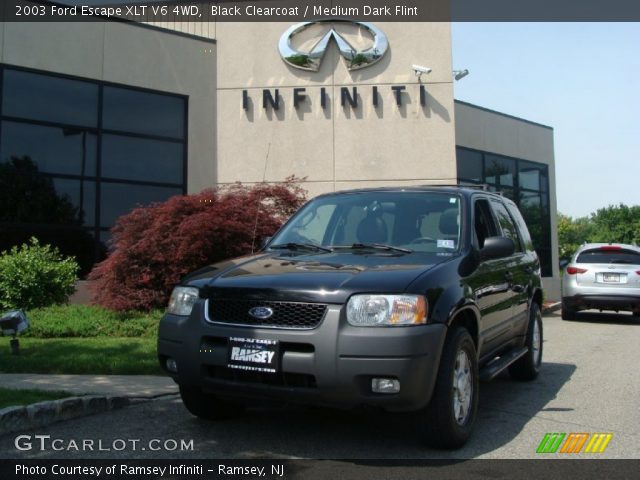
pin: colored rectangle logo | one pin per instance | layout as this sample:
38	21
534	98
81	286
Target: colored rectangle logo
573	443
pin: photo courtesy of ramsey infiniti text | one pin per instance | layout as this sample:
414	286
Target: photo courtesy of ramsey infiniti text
401	299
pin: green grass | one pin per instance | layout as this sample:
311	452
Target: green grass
12	398
100	355
90	321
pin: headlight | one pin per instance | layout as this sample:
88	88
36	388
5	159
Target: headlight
182	300
385	310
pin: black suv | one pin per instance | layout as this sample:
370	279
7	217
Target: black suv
396	298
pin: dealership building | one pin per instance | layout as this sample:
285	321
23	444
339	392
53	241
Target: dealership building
99	117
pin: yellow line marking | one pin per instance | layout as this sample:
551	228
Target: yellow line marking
607	439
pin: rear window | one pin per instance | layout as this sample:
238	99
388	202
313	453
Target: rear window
598	255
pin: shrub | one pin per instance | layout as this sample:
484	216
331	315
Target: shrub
154	247
35	275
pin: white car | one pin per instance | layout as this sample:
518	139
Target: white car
603	276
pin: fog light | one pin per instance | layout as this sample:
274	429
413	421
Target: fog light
385	385
172	366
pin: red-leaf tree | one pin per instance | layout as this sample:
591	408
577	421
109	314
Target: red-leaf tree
153	247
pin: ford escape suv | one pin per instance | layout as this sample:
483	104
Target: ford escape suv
399	298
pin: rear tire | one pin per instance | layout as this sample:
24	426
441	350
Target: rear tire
527	367
448	420
208	407
568	313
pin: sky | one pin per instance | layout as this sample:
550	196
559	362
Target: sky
582	79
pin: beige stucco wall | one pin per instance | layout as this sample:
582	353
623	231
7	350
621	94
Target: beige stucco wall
489	131
131	55
338	147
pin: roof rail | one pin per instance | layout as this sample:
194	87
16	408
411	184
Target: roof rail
480	186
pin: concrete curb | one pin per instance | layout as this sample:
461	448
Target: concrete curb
551	307
45	413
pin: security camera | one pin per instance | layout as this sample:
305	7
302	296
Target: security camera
420	70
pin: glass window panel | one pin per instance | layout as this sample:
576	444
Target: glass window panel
142	112
29	197
118	199
105	242
132	158
544	179
469	165
70	240
529	175
44	97
535	210
499	170
51	149
82	196
508	192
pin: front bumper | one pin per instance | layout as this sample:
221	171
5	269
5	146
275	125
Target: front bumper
330	365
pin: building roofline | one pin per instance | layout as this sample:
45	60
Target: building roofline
503	114
142	25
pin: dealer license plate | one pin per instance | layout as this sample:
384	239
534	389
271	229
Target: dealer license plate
254	354
611	277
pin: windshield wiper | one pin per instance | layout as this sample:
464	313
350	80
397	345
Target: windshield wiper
300	246
380	246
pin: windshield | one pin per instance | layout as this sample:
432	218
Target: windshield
415	221
609	255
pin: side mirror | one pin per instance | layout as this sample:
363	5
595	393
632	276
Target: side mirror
497	247
264	242
563	263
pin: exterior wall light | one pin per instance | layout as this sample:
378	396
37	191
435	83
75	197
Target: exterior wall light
12	323
459	74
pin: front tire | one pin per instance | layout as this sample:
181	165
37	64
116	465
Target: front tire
208	407
448	420
527	367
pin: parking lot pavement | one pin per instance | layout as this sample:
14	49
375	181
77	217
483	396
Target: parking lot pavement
589	383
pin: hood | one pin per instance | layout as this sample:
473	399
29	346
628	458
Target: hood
312	277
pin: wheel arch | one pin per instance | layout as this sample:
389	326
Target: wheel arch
468	317
537	297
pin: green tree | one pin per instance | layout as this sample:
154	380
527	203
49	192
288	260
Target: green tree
572	233
617	224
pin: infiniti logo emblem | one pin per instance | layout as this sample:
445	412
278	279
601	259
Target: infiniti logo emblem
311	60
261	313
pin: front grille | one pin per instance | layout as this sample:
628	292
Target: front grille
280	379
285	314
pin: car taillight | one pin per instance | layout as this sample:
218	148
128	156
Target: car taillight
575	270
638	272
610	247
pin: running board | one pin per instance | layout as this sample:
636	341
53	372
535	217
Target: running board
492	369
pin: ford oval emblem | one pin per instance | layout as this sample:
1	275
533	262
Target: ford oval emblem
261	313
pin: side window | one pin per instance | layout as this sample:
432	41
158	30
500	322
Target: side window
522	226
484	225
507	226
